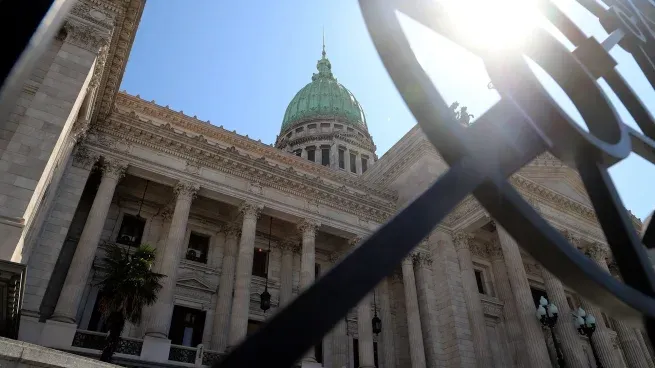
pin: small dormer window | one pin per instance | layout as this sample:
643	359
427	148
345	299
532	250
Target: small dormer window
325	156
311	154
299	130
364	164
338	126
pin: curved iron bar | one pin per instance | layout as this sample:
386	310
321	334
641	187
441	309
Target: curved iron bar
481	157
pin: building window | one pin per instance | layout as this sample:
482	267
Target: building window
311	154
259	262
198	248
338	126
364	164
479	279
131	230
289	135
97	321
349	129
536	295
298	130
187	325
353	165
298	152
342	159
325	156
311	126
253	326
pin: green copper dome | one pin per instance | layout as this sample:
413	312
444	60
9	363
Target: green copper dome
324	99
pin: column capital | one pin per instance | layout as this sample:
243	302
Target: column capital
289	245
308	226
85	36
409	260
597	251
421	260
84	158
186	190
461	240
396	276
572	238
251	209
355	240
113	168
101	60
231	229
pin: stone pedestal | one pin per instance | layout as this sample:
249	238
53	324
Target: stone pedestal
58	335
30	329
155	349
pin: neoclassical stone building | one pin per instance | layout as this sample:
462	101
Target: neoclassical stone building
84	166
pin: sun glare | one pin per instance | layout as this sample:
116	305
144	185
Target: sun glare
494	24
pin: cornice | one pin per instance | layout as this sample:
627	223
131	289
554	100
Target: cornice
206	130
128	16
121	131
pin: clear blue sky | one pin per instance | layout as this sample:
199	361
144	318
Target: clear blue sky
238	64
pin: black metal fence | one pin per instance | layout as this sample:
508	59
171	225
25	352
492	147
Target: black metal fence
482	156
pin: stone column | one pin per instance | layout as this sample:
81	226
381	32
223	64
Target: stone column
644	347
504	293
365	333
78	274
427	308
241	298
162	311
472	297
287	248
225	287
387	337
569	338
634	356
601	338
532	332
308	230
416	348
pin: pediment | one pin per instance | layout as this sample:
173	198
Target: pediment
194	282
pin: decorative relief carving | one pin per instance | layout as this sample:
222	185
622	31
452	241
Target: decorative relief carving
598	252
192	167
95	15
186	190
85	36
532	269
290	245
255	188
354	241
494	250
479	249
98	68
572	238
113	168
232	229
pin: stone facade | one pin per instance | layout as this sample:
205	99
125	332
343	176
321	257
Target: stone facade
84	166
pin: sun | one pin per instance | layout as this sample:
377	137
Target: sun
494	25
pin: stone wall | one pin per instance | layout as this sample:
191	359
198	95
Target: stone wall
18	354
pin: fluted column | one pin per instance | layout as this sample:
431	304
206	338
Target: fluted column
416	348
365	333
387	337
308	230
504	293
225	287
339	334
532	332
287	248
78	273
241	299
472	297
427	307
644	347
601	338
634	355
160	320
569	338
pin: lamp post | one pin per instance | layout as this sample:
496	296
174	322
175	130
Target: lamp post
376	322
586	324
547	314
265	297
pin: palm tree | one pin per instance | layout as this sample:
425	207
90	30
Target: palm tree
128	286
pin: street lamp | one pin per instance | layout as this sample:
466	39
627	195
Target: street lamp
547	315
586	324
376	322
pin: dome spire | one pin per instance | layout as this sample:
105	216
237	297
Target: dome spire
324	67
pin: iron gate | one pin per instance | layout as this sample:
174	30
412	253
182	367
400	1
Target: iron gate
481	157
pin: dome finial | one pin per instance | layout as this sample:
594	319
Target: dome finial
323	42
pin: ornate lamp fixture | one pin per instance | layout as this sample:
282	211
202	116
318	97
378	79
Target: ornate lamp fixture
586	324
265	297
376	321
547	314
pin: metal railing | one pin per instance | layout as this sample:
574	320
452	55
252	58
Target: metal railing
94	340
483	155
183	354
